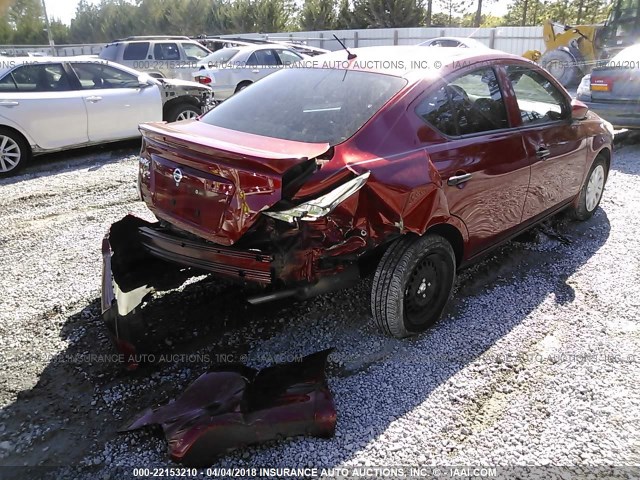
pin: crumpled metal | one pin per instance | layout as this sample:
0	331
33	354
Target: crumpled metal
236	406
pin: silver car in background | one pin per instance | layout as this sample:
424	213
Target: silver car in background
453	42
49	104
229	70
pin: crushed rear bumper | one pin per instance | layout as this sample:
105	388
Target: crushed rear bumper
139	257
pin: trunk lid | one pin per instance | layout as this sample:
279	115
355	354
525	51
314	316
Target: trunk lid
214	182
620	84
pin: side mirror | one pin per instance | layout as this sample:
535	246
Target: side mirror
144	81
578	110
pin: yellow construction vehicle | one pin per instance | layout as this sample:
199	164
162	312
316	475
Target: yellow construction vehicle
571	51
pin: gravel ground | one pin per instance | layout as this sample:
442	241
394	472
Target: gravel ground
535	362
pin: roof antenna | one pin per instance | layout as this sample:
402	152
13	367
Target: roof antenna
350	56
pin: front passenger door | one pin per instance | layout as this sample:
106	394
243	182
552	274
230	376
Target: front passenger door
554	144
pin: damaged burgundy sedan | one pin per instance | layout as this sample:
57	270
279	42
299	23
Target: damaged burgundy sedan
313	177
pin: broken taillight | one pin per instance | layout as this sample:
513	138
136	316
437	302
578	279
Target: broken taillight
203	80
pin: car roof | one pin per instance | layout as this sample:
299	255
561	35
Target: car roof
261	46
457	39
13	62
410	62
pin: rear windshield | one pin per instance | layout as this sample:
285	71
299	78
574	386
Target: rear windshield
316	105
109	52
219	57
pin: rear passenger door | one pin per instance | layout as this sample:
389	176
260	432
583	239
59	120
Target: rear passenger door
555	145
261	63
114	101
40	100
482	162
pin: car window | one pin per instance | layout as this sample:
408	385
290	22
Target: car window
7	84
288	57
166	51
538	99
320	105
266	57
436	109
95	75
41	78
477	102
220	57
194	51
136	51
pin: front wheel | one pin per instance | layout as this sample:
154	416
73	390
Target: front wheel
412	284
591	192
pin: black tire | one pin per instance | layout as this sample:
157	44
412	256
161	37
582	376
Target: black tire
402	303
12	143
242	86
584	206
562	66
176	112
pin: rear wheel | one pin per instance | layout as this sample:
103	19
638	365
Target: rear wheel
14	152
412	284
242	86
591	192
183	111
562	66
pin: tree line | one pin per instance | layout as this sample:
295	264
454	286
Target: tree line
22	21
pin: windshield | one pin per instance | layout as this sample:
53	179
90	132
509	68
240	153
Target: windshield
219	57
315	105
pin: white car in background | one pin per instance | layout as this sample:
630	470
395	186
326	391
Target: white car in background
453	42
158	55
49	104
229	70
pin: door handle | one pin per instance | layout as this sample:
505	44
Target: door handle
93	99
458	179
255	71
9	103
543	153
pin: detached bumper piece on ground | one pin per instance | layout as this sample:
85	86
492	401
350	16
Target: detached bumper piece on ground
238	406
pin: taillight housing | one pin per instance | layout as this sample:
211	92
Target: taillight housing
204	80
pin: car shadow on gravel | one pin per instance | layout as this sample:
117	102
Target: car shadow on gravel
83	395
69	160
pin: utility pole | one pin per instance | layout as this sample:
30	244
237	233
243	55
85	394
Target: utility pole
49	34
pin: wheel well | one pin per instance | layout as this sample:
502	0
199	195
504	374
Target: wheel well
242	84
452	235
606	154
19	133
177	101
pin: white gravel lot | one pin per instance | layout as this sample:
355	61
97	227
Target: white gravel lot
536	361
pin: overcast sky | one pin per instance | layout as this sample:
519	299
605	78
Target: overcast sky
65	9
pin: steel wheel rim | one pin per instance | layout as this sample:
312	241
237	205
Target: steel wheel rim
10	154
595	186
425	289
186	115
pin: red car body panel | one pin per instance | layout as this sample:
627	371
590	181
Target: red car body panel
230	408
230	178
408	160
